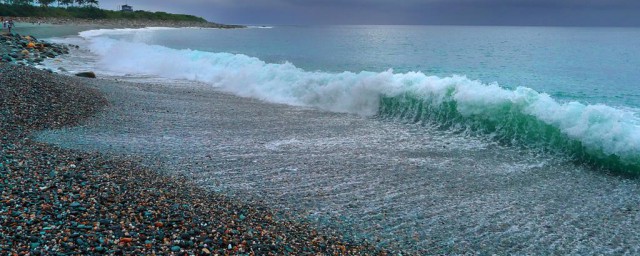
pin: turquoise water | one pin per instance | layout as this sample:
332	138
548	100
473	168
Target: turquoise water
436	140
569	90
591	65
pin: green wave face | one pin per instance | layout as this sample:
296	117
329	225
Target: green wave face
601	135
508	123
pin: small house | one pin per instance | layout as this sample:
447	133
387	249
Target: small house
127	8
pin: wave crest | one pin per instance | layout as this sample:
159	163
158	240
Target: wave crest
600	133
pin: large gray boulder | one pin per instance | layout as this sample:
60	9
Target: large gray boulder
88	74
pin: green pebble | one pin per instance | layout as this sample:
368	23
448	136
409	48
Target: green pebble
175	248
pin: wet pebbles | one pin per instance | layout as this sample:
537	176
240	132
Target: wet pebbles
55	201
28	50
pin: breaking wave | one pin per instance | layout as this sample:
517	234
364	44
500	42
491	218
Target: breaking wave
598	134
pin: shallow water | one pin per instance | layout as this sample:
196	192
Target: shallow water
42	31
403	185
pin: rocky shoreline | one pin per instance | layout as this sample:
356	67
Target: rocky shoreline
28	50
57	201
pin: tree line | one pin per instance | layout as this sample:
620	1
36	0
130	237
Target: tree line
47	3
84	9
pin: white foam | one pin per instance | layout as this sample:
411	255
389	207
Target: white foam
260	27
611	130
120	31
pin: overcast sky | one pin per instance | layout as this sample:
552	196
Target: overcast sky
454	12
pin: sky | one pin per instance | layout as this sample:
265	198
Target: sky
401	12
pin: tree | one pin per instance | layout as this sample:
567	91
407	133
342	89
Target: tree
81	2
65	2
22	2
93	3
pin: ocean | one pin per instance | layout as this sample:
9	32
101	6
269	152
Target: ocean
430	139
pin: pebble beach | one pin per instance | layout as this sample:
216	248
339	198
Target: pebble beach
57	201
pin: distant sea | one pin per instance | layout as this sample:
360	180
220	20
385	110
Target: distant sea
488	139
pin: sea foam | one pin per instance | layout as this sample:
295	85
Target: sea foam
602	131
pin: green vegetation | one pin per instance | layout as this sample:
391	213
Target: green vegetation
84	9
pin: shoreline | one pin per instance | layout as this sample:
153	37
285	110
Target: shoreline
65	201
58	200
402	186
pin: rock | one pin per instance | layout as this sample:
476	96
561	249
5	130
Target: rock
88	74
75	204
175	248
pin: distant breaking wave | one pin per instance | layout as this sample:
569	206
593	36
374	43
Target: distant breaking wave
598	134
259	26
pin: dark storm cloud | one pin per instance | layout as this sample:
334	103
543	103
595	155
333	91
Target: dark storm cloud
457	12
